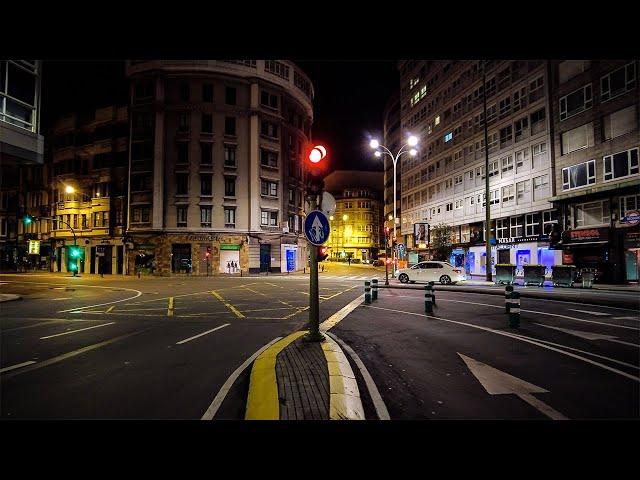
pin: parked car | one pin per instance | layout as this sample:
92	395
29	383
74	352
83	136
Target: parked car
432	271
378	263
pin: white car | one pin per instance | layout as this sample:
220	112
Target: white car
432	271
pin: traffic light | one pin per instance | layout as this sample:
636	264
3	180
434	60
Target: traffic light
27	219
323	252
316	168
208	254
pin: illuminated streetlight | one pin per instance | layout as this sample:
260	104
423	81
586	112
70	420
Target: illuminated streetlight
413	152
378	154
345	217
413	141
374	143
69	189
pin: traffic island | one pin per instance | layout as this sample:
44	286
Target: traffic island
299	380
8	297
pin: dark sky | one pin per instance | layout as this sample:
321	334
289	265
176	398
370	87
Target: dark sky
349	100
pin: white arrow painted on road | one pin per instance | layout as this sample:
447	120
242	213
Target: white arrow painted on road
591	335
496	382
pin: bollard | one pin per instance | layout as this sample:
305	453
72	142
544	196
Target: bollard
433	293
514	314
428	299
508	290
367	292
374	289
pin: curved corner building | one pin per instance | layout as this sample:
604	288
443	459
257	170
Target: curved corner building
216	169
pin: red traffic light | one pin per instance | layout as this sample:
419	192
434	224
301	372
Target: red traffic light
389	261
317	153
323	252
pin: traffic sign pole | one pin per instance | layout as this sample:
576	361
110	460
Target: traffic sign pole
314	294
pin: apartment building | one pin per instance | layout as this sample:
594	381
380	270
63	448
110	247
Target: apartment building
596	142
216	165
442	104
391	134
22	173
357	224
88	189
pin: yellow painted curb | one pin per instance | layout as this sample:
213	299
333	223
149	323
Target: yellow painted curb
262	401
344	396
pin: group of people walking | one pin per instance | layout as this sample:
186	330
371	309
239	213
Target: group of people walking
232	267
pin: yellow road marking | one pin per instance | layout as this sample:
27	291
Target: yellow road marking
227	304
110	308
170	308
262	401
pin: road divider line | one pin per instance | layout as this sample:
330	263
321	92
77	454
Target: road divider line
337	317
68	355
262	400
224	390
374	394
19	365
597	314
202	334
521	338
110	309
170	307
63	298
236	312
76	331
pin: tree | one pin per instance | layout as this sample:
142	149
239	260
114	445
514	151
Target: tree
441	243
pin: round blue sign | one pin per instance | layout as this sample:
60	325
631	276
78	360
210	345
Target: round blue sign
316	227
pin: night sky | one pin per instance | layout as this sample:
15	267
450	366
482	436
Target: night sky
349	100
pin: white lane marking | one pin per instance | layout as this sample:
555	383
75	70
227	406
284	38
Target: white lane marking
202	334
13	367
590	335
63	298
626	318
524	339
597	314
333	320
224	390
497	382
374	394
76	331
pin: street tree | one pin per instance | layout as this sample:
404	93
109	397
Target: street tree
441	241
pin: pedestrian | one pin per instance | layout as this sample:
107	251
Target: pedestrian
229	267
235	267
349	260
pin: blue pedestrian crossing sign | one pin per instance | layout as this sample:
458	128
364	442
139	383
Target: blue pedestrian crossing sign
316	227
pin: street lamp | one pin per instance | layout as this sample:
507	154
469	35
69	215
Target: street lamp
412	141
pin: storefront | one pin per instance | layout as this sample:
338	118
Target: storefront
631	244
589	248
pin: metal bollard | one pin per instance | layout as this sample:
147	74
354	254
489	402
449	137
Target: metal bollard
374	289
433	293
428	299
514	314
367	292
508	290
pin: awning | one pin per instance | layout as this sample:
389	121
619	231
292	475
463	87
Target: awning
579	244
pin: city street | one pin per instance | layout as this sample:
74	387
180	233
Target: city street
162	348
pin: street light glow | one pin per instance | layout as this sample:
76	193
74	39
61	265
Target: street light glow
69	189
378	154
413	141
374	143
345	217
413	152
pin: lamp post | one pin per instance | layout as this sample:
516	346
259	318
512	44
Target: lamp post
412	141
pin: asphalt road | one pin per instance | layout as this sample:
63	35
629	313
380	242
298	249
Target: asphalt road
460	362
157	348
161	348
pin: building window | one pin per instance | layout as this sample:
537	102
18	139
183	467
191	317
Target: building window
536	89
207	123
522	160
184	92
521	128
183	152
493	169
205	216
181	216
508	194
539	155
620	122
457	180
206	153
269	100
229	186
494	197
540	187
141	183
183	122
516	227
229	217
230	95
268	158
621	164
579	175
506	135
269	129
205	184
571	68
448	137
207	92
269	218
591	214
576	102
577	138
229	156
449	207
230	126
618	82
549	219
537	121
532	224
182	183
507	164
631	202
502	228
269	188
523	191
292	196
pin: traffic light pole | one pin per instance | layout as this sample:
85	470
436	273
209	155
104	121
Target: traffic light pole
75	242
314	298
386	257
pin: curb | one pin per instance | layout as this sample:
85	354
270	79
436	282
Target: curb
344	397
8	297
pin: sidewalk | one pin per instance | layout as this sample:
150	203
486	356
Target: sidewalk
479	280
299	380
7	297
